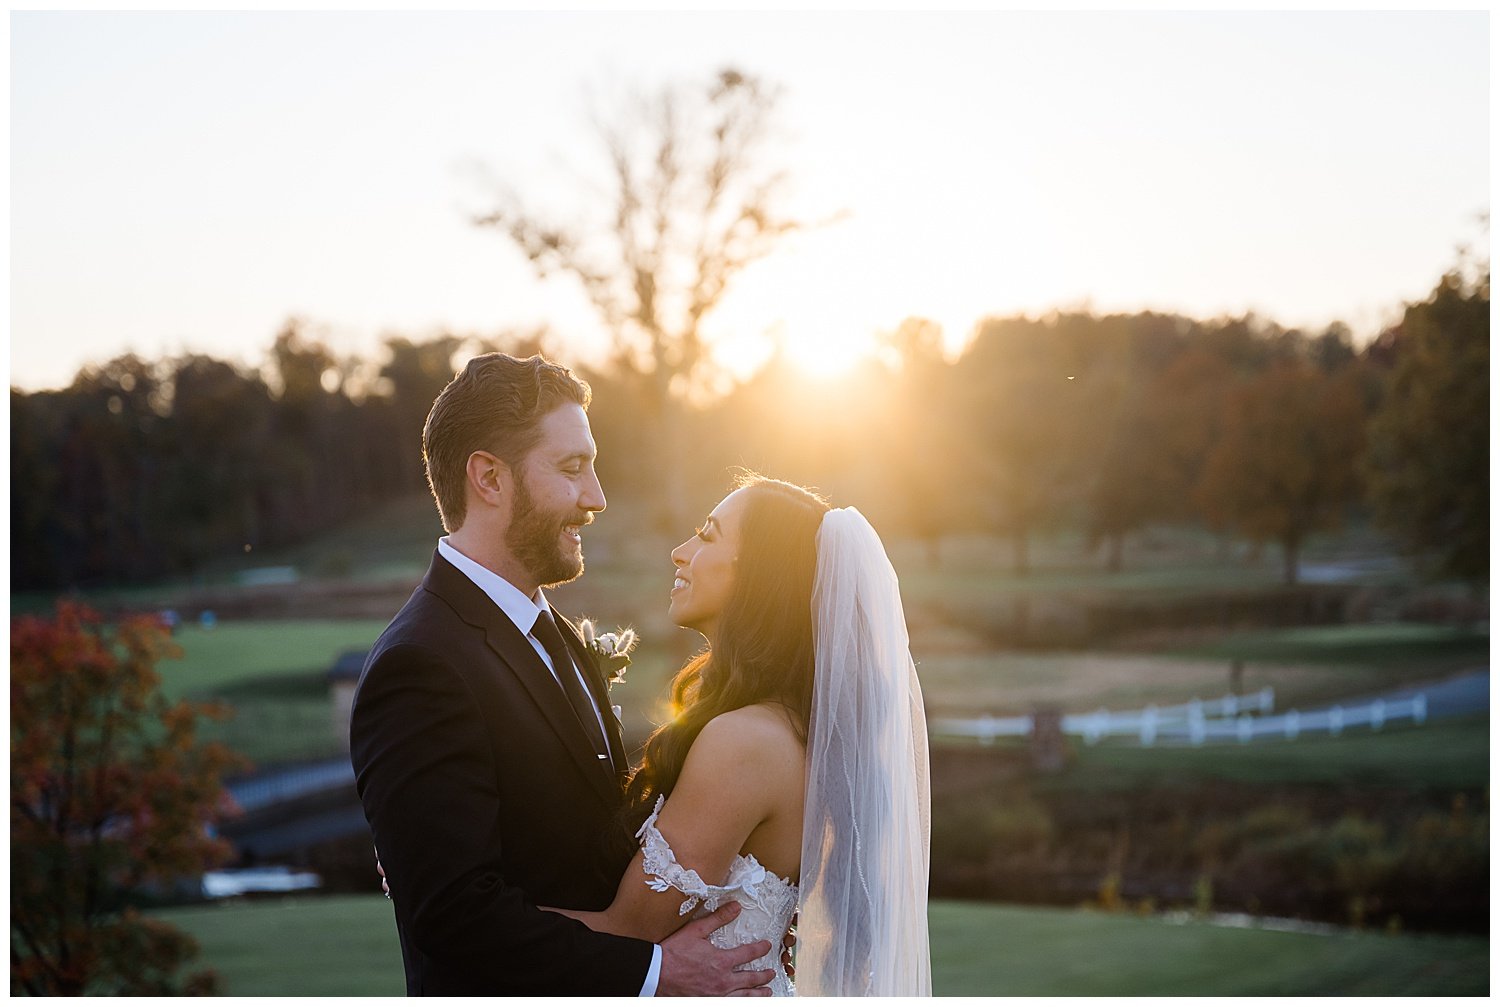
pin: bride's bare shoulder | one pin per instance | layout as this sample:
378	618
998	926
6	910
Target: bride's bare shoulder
760	738
760	725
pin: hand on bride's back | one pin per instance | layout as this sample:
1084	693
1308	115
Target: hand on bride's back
692	966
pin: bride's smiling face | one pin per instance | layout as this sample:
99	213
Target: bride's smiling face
705	568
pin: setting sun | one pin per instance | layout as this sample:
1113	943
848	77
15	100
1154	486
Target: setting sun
828	353
812	339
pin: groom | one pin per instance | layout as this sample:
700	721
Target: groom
485	753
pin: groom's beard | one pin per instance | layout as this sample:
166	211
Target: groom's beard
535	538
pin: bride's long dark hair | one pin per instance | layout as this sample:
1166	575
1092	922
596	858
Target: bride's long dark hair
764	646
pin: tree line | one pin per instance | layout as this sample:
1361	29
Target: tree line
147	468
1110	424
1101	423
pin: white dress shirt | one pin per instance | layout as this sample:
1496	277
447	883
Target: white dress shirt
523	612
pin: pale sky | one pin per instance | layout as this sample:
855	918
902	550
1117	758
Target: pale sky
187	182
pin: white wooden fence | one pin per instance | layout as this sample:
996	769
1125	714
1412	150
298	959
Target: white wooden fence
1199	721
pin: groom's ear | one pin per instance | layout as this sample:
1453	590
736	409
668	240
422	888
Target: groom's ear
490	481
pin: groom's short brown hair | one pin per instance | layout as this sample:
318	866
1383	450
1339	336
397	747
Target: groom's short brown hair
494	404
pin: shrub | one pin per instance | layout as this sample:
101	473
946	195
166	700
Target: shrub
110	790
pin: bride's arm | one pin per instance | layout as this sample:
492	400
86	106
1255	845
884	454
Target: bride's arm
737	770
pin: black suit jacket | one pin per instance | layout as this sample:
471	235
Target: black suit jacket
486	800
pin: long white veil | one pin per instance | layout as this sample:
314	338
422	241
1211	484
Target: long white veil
862	927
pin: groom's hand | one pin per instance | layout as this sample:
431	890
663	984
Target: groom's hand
385	884
692	966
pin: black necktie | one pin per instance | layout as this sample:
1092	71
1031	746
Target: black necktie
551	640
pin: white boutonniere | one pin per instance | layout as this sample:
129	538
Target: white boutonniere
612	649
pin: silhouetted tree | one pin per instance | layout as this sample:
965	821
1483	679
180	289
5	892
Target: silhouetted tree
1333	350
1250	344
413	376
1125	465
923	440
1099	423
1185	403
691	205
222	419
1428	465
1130	474
1286	464
106	454
1021	399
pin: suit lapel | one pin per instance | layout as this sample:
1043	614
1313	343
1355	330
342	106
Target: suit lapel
598	688
518	656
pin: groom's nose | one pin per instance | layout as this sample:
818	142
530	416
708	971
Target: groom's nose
592	498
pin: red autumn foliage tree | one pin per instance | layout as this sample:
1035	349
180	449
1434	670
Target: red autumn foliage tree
110	790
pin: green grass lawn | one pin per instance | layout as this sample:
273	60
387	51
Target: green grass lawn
1027	951
975	573
1305	667
1441	755
1378	644
396	539
926	584
233	652
271	674
346	945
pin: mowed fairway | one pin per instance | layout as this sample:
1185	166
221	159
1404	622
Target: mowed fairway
234	652
271	675
1442	755
1026	951
1305	667
271	672
346	945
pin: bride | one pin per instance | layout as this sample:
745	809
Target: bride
793	777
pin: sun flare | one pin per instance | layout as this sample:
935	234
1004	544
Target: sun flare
815	349
828	354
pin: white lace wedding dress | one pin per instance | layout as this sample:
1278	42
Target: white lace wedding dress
767	901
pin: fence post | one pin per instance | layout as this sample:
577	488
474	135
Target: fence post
1267	699
1148	726
1195	723
1097	725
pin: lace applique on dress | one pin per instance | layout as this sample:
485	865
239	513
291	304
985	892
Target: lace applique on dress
667	873
767	901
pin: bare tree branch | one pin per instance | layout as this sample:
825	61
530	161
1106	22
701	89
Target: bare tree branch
691	206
